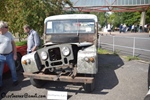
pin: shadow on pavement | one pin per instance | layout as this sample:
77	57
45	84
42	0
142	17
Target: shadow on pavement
106	78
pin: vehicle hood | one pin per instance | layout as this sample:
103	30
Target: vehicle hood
78	44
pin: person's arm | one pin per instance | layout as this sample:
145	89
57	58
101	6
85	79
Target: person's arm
36	41
14	50
34	48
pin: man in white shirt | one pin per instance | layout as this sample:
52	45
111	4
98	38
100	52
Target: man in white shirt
8	52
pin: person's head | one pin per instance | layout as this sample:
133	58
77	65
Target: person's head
3	27
26	28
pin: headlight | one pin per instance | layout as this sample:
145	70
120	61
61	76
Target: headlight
44	55
28	61
89	59
65	51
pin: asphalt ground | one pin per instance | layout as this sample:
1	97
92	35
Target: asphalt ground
117	79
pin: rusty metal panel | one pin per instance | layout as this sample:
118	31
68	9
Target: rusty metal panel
87	67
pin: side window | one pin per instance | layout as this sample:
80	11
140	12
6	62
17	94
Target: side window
49	27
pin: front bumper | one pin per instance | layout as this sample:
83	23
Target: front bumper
77	79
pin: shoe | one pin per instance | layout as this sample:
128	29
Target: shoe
15	83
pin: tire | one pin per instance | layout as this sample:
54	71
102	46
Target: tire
89	87
37	83
147	97
18	63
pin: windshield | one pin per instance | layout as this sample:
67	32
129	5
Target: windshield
70	26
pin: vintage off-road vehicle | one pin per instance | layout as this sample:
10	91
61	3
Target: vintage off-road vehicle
69	52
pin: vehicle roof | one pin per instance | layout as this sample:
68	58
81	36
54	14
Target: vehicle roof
72	16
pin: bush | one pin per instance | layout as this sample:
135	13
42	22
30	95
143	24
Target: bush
21	43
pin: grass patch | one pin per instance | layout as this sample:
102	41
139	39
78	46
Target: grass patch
115	53
129	58
21	43
103	51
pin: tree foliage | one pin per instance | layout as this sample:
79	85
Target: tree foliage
101	18
33	12
148	16
129	18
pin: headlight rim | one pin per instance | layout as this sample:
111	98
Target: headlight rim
44	55
65	48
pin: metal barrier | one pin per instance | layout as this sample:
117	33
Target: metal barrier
134	47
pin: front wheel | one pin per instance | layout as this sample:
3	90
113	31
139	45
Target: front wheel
89	87
37	83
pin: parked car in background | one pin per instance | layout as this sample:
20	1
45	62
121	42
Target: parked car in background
21	50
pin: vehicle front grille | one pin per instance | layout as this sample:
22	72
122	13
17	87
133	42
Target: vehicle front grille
54	54
57	59
56	63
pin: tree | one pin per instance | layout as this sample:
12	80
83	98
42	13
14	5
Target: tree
129	18
148	16
33	12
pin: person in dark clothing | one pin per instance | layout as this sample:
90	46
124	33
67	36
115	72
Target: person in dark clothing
120	28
